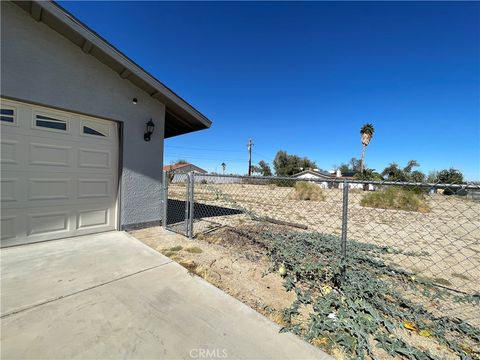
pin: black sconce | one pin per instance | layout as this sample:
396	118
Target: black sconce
148	130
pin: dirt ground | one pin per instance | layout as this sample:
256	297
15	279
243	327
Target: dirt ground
241	274
449	233
242	270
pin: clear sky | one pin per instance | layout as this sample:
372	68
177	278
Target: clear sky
303	77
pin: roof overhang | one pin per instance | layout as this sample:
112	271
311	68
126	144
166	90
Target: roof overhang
180	117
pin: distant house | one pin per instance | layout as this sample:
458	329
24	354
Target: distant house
184	168
350	175
328	176
315	175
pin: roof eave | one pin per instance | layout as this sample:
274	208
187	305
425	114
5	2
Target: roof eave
53	15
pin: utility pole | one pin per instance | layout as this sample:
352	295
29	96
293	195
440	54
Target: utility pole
249	145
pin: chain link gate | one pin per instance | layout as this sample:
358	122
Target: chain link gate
177	210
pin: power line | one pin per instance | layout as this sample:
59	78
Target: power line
202	157
202	149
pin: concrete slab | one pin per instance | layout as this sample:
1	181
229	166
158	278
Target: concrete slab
41	272
159	312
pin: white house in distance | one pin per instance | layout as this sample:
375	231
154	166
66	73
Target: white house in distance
82	129
326	178
315	174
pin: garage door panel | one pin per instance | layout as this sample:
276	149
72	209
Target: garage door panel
8	227
46	222
13	188
60	181
13	226
72	203
97	159
10	152
94	188
93	218
41	154
13	150
49	189
36	189
9	191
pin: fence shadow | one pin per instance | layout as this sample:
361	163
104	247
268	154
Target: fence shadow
176	211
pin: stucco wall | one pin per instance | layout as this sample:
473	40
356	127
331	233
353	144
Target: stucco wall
39	65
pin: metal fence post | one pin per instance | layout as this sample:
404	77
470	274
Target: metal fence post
164	199
344	227
187	203
191	213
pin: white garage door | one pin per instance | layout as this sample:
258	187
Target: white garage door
59	174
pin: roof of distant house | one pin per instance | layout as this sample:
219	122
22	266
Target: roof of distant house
349	174
174	167
320	174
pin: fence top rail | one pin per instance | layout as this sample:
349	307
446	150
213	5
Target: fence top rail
466	186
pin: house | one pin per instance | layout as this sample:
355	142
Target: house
82	129
327	178
350	176
184	168
315	174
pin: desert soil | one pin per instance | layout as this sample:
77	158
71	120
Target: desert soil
242	269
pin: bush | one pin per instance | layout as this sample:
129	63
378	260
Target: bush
308	191
396	198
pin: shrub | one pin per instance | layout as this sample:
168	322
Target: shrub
194	250
396	198
308	191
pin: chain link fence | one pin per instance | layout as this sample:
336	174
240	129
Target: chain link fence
425	235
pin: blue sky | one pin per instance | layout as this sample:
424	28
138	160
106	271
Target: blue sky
303	77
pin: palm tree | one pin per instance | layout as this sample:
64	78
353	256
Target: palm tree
366	131
223	165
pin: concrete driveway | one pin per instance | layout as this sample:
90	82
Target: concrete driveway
110	296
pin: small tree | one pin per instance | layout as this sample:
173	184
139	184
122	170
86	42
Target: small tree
394	173
356	165
407	170
432	176
450	176
417	176
287	165
262	168
343	168
265	168
181	161
368	175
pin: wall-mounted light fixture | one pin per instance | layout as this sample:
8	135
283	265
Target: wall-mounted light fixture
149	130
